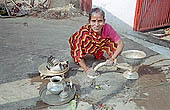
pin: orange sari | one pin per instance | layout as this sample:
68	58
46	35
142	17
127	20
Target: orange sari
86	41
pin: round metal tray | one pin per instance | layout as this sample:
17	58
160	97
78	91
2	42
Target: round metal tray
53	99
44	71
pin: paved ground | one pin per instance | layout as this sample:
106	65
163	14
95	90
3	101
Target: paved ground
26	42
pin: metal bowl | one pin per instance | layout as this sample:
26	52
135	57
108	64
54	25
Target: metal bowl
133	57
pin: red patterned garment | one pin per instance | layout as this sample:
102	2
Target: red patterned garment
86	41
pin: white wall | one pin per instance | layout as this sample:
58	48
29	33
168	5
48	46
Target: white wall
120	13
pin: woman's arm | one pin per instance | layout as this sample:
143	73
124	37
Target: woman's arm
119	49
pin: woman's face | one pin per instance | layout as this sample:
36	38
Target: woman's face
97	21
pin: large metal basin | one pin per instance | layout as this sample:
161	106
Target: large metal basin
133	57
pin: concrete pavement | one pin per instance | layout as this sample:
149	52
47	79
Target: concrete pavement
25	43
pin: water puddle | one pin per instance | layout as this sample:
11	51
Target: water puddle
150	76
148	70
153	89
38	79
40	105
35	77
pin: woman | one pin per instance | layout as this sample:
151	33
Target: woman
95	38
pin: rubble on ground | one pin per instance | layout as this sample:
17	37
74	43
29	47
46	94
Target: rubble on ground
59	12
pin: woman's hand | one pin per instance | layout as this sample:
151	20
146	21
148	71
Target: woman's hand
111	61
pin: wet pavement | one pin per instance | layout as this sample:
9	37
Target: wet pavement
26	42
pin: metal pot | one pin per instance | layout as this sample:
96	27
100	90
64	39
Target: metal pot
55	86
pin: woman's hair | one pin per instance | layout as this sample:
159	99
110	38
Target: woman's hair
96	10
